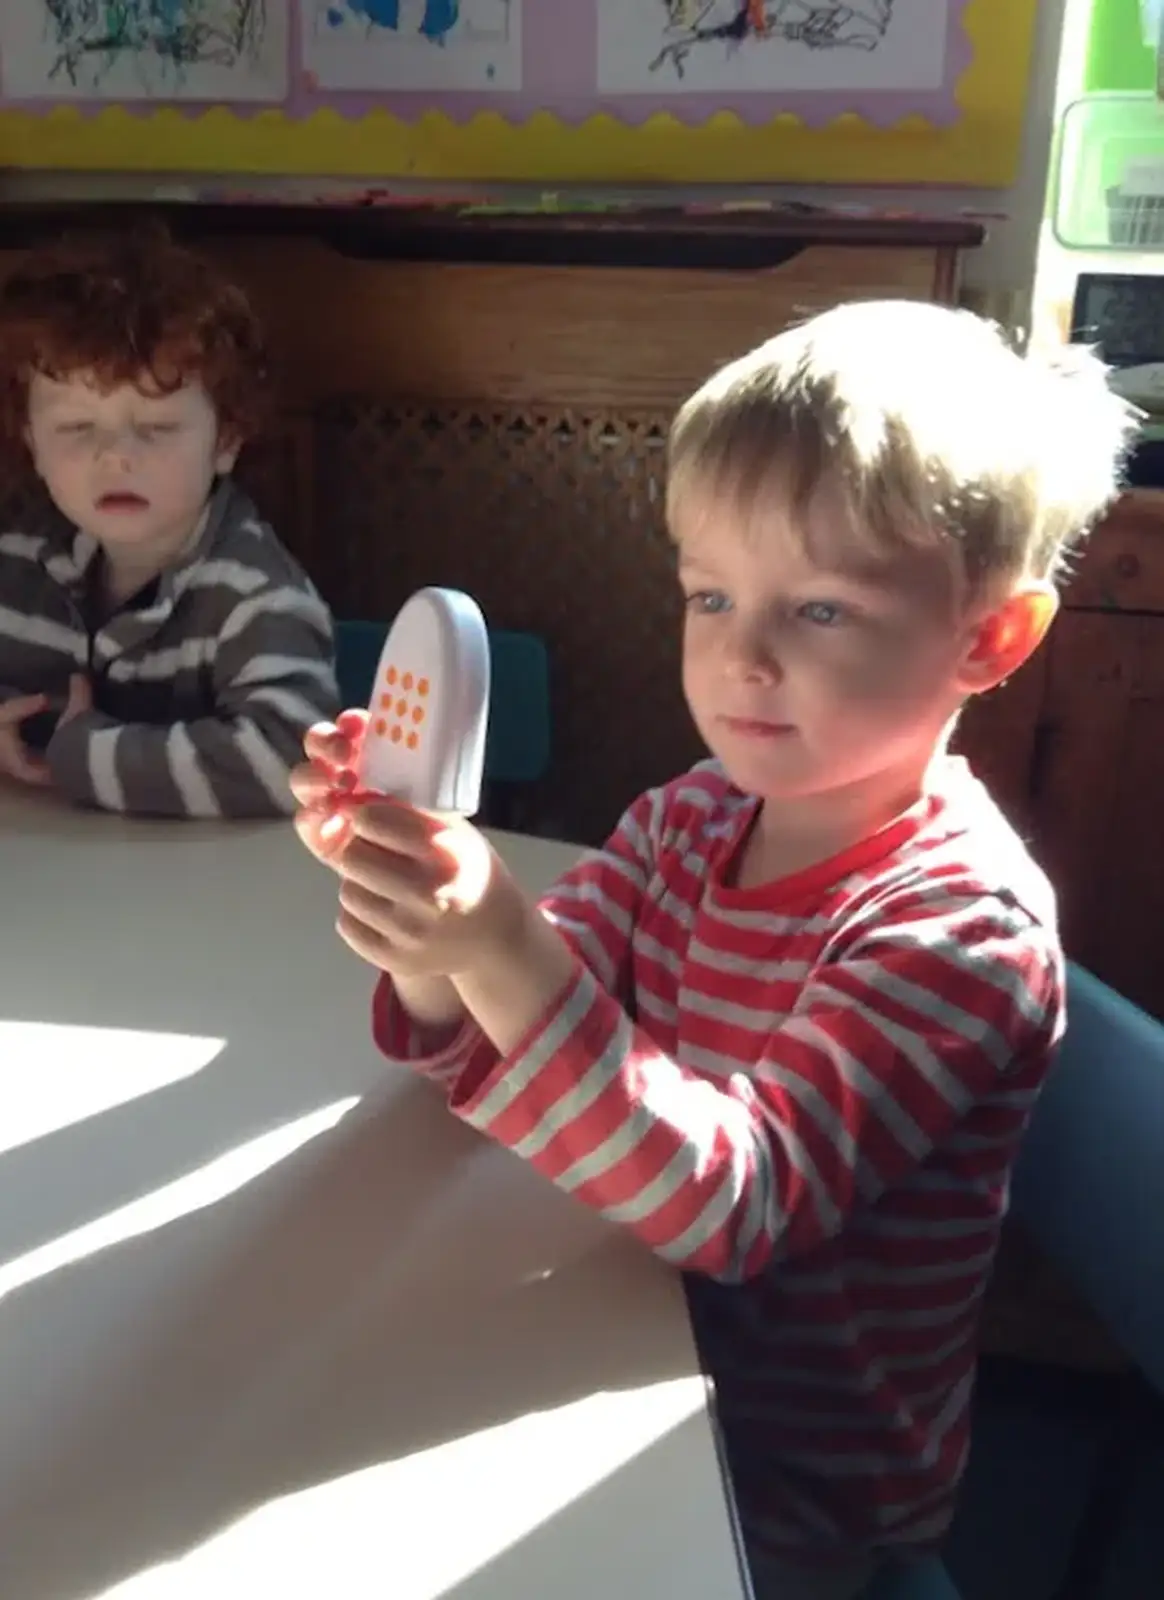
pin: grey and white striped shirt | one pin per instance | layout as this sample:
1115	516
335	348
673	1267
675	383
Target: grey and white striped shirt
203	686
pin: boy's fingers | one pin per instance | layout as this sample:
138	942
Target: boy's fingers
327	744
369	945
29	768
397	827
336	745
311	784
323	834
402	879
21	706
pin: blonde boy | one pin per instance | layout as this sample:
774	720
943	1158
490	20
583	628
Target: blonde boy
789	1024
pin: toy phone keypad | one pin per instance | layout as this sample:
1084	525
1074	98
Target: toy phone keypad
429	709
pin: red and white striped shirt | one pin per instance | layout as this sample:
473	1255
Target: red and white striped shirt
810	1095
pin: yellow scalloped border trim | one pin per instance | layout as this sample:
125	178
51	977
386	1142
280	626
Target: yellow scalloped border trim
980	148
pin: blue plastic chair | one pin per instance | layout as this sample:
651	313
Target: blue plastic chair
1089	1189
1089	1185
1060	1462
922	1580
357	654
517	748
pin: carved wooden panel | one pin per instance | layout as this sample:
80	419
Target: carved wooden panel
552	518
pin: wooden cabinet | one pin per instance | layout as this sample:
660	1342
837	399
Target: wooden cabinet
1099	782
1074	748
598	308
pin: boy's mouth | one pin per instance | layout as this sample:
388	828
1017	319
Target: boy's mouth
122	500
756	728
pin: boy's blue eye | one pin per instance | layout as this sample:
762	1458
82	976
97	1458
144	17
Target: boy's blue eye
75	427
707	602
822	613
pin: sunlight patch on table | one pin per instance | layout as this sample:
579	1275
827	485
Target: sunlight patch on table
194	1191
54	1075
334	1539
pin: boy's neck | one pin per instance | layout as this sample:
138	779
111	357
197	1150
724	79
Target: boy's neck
792	835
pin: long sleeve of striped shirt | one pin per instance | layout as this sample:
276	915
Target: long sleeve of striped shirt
270	679
735	1079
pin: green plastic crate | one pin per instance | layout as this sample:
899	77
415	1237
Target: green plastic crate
1109	174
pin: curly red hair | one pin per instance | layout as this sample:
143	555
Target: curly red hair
125	309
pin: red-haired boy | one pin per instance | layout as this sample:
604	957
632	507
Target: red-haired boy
161	653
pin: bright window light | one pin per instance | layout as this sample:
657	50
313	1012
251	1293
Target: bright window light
53	1075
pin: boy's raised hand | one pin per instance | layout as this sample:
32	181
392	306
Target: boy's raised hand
421	895
424	896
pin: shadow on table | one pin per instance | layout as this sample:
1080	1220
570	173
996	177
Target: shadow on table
362	1300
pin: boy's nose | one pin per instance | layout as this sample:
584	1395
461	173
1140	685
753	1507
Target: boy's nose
748	656
113	445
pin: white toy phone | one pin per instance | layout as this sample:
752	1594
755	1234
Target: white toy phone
429	711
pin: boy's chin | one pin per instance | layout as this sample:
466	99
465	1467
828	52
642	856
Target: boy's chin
771	777
125	540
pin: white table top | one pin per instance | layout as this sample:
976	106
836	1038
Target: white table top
271	1321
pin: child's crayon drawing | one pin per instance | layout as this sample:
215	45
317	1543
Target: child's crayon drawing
145	49
413	44
653	46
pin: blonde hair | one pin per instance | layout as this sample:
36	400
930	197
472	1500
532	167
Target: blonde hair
937	432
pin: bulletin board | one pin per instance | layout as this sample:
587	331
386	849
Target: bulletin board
608	91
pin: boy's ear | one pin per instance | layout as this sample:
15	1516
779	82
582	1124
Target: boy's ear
1007	636
227	454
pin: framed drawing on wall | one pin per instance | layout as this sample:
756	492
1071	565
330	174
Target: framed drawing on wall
550	91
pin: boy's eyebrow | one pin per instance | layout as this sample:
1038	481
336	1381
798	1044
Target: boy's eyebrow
60	402
689	559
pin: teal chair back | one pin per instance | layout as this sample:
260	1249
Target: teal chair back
1089	1188
357	655
922	1580
1089	1185
517	749
1057	1497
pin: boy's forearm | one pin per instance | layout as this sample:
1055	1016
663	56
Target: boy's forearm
207	767
511	990
505	995
432	1003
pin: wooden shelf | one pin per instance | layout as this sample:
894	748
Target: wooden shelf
511	231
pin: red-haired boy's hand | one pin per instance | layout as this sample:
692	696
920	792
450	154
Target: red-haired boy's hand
80	699
16	759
